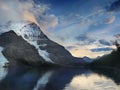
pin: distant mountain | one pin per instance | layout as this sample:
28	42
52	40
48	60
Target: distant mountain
111	60
87	59
31	46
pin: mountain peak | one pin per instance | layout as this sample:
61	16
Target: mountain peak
32	31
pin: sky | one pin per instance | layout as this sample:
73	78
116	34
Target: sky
84	27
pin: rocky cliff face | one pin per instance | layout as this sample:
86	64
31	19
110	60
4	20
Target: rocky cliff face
16	49
33	47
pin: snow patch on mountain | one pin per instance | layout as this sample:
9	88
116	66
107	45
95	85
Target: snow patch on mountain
43	45
43	53
3	60
15	26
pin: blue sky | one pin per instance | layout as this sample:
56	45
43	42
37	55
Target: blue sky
84	27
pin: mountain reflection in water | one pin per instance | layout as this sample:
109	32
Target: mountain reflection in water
20	78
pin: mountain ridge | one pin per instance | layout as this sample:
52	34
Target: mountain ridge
48	50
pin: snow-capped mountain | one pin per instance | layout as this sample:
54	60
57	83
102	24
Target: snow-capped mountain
32	34
29	35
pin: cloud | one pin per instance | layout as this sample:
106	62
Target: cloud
70	47
104	42
48	21
85	39
117	36
115	6
20	10
14	11
110	20
82	37
101	49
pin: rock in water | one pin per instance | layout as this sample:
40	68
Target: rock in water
33	47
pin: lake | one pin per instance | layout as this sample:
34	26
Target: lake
22	78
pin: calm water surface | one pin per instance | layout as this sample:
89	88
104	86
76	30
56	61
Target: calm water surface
19	78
